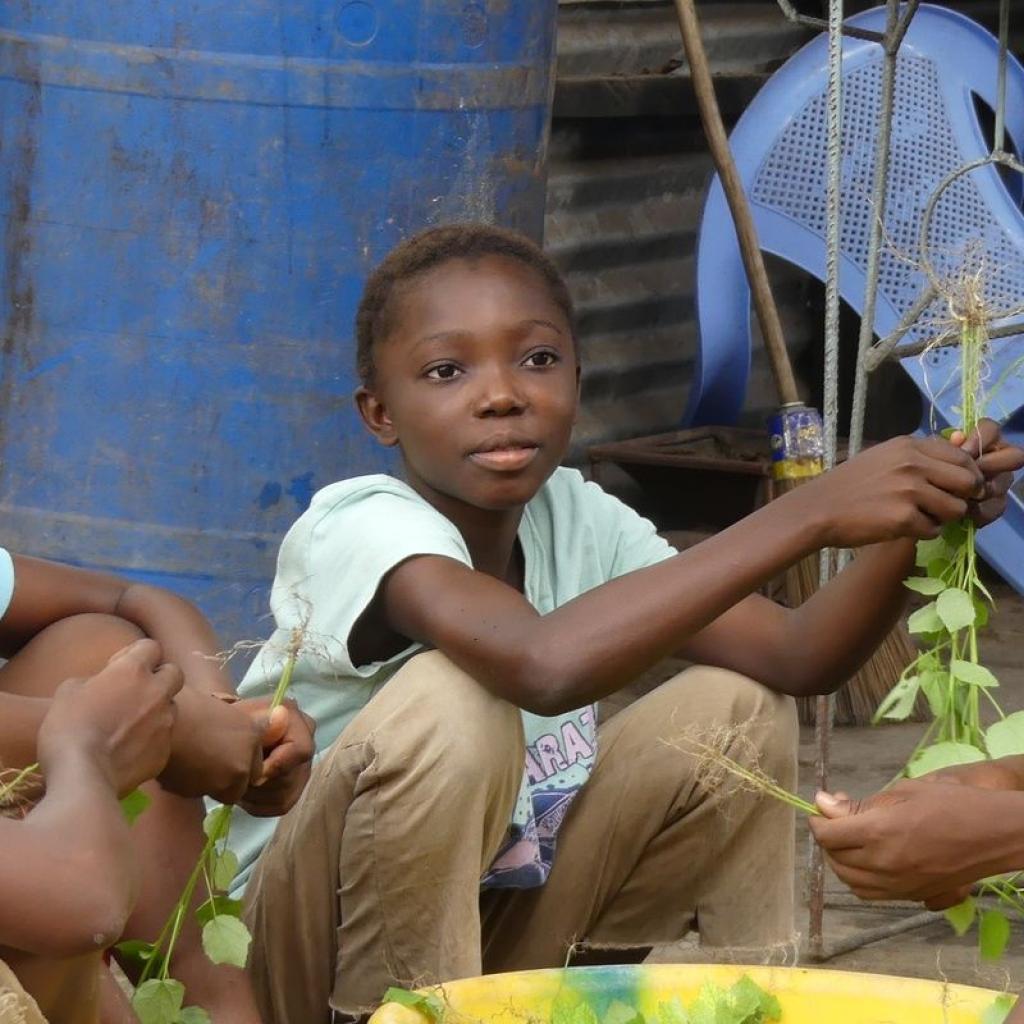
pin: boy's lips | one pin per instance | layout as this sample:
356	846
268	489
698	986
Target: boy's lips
506	454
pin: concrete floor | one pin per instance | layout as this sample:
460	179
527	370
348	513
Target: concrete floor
864	759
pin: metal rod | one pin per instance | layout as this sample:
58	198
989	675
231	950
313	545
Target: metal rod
848	30
1004	46
878	201
825	706
953	339
879	934
929	211
881	351
895	41
848	901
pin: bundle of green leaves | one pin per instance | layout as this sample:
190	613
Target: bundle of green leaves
948	671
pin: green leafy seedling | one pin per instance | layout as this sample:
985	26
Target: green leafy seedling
948	671
619	1012
962	916
133	805
429	1005
993	934
226	940
999	1010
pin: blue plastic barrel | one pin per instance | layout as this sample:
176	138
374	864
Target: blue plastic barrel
191	196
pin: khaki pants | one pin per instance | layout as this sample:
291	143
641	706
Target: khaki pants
373	878
16	1005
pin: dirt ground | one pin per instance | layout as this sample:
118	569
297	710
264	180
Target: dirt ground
864	759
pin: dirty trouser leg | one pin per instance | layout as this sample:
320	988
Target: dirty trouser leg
646	853
373	878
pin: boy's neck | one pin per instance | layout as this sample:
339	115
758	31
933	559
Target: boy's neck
491	535
493	544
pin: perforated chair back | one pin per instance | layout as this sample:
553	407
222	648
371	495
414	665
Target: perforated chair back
947	67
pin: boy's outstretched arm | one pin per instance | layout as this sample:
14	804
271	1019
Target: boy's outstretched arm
801	651
101	738
898	492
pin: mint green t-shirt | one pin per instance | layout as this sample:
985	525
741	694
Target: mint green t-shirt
573	536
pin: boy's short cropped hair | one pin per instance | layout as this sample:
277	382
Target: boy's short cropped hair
430	249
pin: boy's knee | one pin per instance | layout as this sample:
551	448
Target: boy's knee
717	697
434	711
93	638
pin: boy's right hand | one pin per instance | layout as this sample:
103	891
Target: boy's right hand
217	749
904	488
120	719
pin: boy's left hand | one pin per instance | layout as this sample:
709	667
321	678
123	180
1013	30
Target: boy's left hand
902	844
997	460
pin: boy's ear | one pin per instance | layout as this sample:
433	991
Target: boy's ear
375	417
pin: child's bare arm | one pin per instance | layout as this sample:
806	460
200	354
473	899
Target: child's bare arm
589	647
218	749
101	738
46	592
67	878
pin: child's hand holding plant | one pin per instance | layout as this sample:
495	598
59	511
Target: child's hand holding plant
922	839
997	460
287	744
260	758
906	487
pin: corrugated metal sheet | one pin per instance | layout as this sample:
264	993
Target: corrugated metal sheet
628	174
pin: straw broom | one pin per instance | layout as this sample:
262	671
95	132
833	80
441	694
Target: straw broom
858	698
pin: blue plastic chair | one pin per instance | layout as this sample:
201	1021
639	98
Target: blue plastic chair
780	147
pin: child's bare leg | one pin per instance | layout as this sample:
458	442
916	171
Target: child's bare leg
168	835
74	647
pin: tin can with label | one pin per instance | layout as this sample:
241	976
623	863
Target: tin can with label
797	444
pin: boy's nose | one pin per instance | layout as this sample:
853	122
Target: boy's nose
499	395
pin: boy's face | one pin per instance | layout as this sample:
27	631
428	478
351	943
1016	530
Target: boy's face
477	382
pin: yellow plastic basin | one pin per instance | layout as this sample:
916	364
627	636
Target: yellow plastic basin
807	996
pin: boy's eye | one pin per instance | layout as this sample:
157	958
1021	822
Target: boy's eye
444	371
543	358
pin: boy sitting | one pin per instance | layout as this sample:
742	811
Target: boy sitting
467	813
